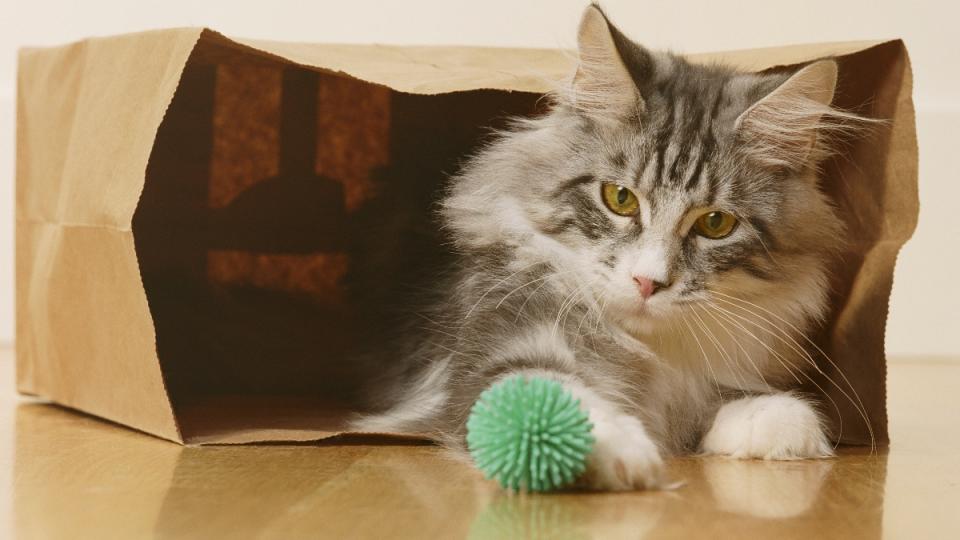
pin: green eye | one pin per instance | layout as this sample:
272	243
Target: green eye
620	200
715	225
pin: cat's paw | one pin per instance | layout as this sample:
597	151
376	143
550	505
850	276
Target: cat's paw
777	426
624	457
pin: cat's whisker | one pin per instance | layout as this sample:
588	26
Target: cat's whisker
796	347
783	361
533	293
706	359
457	338
570	302
813	344
674	328
600	318
787	365
583	318
736	342
603	307
596	305
527	284
495	286
780	334
731	365
531	282
456	352
858	404
822	391
451	330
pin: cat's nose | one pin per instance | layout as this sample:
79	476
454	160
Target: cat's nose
648	287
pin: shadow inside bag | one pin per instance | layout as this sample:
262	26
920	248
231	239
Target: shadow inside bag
284	212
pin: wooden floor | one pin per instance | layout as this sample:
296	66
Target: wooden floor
65	475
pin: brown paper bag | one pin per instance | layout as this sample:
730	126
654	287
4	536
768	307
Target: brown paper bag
157	170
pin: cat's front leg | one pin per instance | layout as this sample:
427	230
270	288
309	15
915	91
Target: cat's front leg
624	456
775	426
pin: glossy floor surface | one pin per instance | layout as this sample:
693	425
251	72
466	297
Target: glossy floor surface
66	475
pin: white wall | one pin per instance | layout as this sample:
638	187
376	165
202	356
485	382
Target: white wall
925	297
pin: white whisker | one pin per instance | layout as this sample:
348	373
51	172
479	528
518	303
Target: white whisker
859	403
716	343
499	283
783	361
706	359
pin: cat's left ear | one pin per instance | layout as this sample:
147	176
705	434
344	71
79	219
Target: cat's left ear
602	86
782	129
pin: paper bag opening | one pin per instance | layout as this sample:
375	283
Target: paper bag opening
282	194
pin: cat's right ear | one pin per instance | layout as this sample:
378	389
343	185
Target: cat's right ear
603	86
791	125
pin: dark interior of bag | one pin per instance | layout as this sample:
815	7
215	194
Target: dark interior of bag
282	202
281	206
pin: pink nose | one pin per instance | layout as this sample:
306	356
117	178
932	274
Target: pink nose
647	286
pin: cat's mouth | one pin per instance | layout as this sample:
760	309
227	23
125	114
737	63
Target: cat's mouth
641	309
642	317
650	307
639	313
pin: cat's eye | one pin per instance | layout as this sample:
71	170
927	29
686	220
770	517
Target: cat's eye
620	200
715	225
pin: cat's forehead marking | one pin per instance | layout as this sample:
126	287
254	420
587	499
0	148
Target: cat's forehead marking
679	143
670	207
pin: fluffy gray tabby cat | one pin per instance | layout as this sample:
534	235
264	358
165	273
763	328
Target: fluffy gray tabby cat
658	243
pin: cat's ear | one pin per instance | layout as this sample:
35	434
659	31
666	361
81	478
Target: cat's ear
603	86
788	126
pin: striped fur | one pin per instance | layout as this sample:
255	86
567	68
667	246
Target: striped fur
543	283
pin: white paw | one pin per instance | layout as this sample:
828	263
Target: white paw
777	426
624	457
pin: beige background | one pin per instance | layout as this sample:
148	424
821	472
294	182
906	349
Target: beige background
924	318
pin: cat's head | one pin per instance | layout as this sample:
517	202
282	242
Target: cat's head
655	185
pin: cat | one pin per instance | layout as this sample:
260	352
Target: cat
658	243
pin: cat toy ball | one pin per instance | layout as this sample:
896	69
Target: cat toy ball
529	434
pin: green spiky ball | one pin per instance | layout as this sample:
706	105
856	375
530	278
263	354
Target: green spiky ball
529	434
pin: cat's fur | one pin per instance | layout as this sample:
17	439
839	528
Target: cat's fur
544	279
